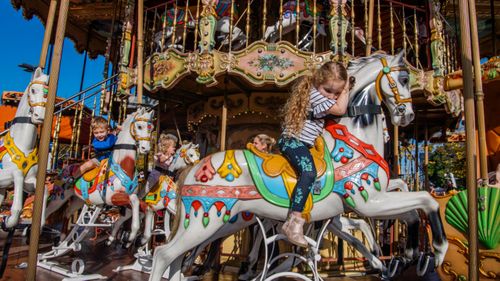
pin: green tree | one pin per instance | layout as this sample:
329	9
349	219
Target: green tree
446	158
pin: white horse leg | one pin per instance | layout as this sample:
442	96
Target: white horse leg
183	240
148	226
397	184
339	227
44	206
117	225
136	223
362	225
392	204
17	204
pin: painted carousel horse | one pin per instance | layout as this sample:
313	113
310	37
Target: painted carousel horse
177	14
114	182
289	20
352	176
18	152
158	197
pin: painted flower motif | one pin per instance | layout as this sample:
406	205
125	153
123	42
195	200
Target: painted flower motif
269	62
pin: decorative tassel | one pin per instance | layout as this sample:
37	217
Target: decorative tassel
227	216
363	193
206	219
376	183
186	221
348	199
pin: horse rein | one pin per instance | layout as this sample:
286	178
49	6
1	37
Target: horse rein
45	92
386	71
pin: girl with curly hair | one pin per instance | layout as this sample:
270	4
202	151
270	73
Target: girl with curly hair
324	92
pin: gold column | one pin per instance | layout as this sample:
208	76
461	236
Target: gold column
73	133
470	152
231	27
164	27
184	33
281	20
379	26
404	31
56	141
140	49
196	22
315	25
248	23
478	93
79	126
352	32
369	34
297	22
391	26
415	33
174	25
45	141
264	26
48	33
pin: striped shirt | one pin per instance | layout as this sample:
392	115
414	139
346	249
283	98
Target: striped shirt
318	109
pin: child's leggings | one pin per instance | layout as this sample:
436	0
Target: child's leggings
300	158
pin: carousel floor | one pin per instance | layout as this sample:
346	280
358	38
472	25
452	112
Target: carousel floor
102	259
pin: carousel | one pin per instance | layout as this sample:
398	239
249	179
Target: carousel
211	76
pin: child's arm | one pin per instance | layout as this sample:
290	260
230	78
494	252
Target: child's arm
340	106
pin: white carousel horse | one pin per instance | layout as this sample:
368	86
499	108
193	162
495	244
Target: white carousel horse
230	180
160	197
223	13
289	20
18	152
114	183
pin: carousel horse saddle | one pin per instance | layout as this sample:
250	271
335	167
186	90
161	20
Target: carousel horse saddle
275	178
92	174
158	193
89	181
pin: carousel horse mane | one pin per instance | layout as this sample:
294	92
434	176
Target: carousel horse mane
358	63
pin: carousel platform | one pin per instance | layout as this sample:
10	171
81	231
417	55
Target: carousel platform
102	259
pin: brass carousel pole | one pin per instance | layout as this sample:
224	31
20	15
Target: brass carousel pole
369	37
478	83
140	49
470	153
45	140
48	33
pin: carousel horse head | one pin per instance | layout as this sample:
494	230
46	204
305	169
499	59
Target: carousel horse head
188	153
141	127
36	96
392	84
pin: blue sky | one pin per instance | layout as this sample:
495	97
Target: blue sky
22	42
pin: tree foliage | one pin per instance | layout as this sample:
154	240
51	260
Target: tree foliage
446	158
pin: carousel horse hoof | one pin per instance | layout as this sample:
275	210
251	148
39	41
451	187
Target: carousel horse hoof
109	242
423	264
395	265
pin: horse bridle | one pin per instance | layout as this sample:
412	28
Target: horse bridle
133	132
45	91
386	71
183	155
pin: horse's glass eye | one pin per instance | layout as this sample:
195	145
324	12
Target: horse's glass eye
32	91
404	80
139	127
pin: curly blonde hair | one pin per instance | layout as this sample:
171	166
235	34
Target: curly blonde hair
296	108
165	141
